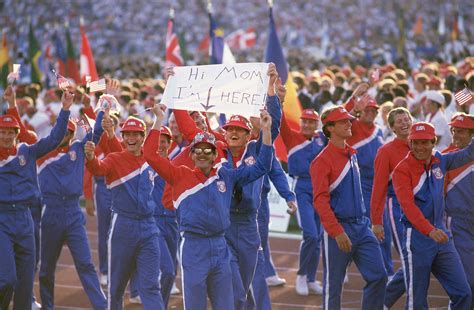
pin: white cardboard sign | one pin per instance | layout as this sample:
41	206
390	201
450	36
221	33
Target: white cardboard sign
227	88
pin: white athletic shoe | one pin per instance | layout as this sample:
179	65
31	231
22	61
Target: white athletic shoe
103	279
301	285
35	305
135	300
175	290
346	279
315	288
275	281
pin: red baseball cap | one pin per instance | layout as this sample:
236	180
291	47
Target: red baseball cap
371	103
71	125
204	137
237	121
462	121
133	124
8	121
164	130
310	114
422	131
338	114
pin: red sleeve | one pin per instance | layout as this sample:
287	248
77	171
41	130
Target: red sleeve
402	184
24	135
114	145
103	144
288	135
161	165
88	191
379	190
89	112
349	105
319	172
167	198
99	167
186	124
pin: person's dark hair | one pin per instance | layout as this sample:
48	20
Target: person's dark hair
447	97
324	97
398	91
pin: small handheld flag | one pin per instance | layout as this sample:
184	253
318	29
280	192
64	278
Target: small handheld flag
14	75
108	102
463	96
63	83
96	86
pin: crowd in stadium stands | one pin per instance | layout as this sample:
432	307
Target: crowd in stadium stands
341	31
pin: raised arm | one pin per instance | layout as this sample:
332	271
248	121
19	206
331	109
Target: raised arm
457	159
49	143
186	124
93	164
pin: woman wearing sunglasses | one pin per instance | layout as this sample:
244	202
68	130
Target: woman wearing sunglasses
203	196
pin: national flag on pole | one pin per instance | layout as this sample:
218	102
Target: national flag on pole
418	27
173	50
72	71
60	54
4	62
463	96
219	51
34	53
455	30
292	106
87	62
86	123
14	75
242	39
96	86
401	29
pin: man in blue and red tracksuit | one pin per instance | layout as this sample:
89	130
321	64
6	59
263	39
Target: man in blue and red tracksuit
203	196
18	190
259	288
133	238
366	139
303	147
458	195
338	199
60	176
384	198
419	181
28	137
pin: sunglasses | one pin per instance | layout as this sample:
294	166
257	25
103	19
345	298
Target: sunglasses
205	151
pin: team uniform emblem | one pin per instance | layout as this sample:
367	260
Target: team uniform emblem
319	141
250	161
437	173
221	186
72	155
22	160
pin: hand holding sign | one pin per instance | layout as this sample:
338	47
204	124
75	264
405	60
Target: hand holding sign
67	99
273	74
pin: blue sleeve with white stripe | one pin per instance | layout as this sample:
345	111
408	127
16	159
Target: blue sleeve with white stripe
49	143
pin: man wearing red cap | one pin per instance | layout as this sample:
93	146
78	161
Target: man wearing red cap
337	197
419	185
133	237
61	181
18	190
458	194
203	196
303	147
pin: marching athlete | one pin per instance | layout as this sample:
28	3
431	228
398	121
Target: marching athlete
203	196
459	199
18	190
133	237
418	181
60	175
337	196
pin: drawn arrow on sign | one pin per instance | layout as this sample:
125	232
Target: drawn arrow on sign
207	107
